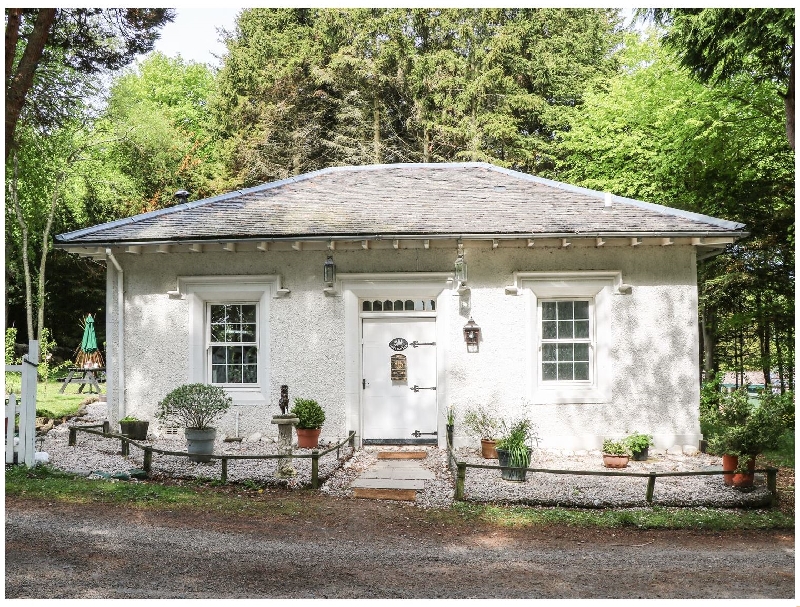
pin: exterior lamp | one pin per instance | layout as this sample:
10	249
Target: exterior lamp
461	269
472	333
329	272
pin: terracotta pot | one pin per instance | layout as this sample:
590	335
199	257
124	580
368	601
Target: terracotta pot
740	479
308	438
615	461
488	448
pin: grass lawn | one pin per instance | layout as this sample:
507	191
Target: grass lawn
49	403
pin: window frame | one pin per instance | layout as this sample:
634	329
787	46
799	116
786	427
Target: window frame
598	287
542	341
210	343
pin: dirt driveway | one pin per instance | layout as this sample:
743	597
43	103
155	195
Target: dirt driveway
345	548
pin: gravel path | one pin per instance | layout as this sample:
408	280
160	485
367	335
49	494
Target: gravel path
96	454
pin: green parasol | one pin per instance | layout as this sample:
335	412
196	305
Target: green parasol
89	342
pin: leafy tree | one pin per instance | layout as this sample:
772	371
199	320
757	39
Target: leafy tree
719	44
656	134
47	50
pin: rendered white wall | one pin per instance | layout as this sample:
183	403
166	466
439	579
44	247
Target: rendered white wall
654	353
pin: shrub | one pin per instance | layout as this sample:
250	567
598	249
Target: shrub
517	438
310	414
638	442
194	405
479	422
613	447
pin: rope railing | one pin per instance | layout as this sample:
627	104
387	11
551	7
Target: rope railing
461	474
148	450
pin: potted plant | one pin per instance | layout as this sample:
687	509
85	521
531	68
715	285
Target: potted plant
451	422
638	445
514	448
615	454
482	424
196	407
311	417
134	427
741	430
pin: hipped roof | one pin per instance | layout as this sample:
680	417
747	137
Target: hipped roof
460	200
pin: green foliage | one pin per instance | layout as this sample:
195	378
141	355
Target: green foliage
637	442
518	438
129	418
614	447
744	428
194	405
47	368
480	422
310	414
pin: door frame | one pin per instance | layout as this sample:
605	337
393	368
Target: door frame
394	285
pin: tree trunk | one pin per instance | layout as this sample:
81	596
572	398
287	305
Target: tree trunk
23	226
780	360
19	82
40	295
426	145
376	129
789	102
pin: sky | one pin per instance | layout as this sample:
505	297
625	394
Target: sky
193	33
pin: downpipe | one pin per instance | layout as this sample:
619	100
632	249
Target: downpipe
120	335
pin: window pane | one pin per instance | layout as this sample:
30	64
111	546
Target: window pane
367	306
549	329
387	306
218	355
248	332
250	374
549	310
409	304
377	306
234	374
582	352
217	332
251	355
234	314
398	306
582	329
419	305
218	374
564	329
234	355
433	305
549	352
565	352
582	310
248	314
564	310
565	372
549	372
233	333
217	314
582	371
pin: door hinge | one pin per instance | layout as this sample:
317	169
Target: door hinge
416	344
417	433
416	388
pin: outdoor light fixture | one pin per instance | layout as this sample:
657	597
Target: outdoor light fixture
329	272
461	269
472	333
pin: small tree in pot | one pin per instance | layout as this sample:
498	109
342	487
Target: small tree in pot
485	426
195	407
639	445
311	417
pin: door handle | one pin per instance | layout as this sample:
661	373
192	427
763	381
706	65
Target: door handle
364	384
416	388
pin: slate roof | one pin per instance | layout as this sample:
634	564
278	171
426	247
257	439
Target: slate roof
404	200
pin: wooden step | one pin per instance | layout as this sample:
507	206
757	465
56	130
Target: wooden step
406	495
402	454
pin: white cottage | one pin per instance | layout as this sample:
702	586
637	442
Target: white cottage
353	286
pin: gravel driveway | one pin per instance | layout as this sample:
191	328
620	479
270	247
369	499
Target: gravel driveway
325	547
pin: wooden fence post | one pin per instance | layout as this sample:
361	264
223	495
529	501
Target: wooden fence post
27	410
106	427
148	459
772	482
651	485
460	476
314	469
124	448
224	469
73	437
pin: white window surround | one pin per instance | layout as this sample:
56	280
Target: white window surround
432	285
200	290
598	287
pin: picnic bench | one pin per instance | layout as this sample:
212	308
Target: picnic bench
83	376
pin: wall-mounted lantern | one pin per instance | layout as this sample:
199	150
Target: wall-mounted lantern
329	272
472	334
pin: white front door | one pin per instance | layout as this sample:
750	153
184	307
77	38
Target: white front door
403	409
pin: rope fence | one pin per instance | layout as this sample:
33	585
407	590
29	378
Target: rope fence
149	450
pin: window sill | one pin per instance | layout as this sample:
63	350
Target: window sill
567	395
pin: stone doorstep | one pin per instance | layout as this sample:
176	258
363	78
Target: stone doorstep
395	472
402	454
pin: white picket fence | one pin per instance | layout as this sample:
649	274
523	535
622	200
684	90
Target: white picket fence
25	405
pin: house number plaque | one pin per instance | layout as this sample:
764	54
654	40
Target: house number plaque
399	368
398	344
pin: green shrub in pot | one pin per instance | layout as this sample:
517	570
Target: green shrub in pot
309	413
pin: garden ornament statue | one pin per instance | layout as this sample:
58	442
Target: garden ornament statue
283	403
285	422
